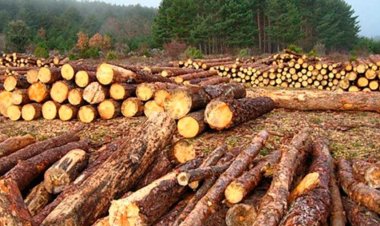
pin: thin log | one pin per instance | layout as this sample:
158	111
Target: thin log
14	144
338	216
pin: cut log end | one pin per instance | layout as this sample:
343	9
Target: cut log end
183	179
129	216
178	104
183	151
234	193
75	97
47	75
108	109
82	78
5	102
50	110
218	115
32	76
67	72
87	114
152	107
38	92
160	96
132	107
105	74
372	176
67	112
241	215
10	83
14	112
31	112
145	91
188	127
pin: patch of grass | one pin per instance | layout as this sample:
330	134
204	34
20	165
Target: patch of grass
264	151
232	141
316	120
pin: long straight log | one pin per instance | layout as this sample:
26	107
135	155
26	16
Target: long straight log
338	216
13	144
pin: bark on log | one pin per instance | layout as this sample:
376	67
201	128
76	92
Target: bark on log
192	124
38	92
67	112
3	137
31	112
230	90
25	171
312	206
225	113
121	91
7	162
357	191
214	196
50	110
95	93
13	210
213	81
358	215
132	107
170	216
274	204
367	172
109	109
117	174
14	144
64	171
196	75
308	100
37	199
338	216
12	82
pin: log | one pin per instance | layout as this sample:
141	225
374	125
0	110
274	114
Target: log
145	91
64	171
14	144
160	96
59	91
12	208
240	187
213	81
144	206
68	71
67	112
274	204
310	100
190	76
121	91
7	162
214	196
357	191
222	114
49	75
37	199
3	137
102	222
132	107
170	72
201	173
32	76
87	114
95	93
116	175
38	92
192	124
151	107
170	216
83	78
31	112
182	151
75	97
5	102
20	97
337	216
367	172
14	112
13	82
25	171
241	215
358	215
50	110
109	109
312	205
230	90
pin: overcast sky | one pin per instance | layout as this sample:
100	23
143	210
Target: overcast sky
367	10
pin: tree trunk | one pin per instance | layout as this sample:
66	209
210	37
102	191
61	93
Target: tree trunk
170	216
145	91
109	109
367	172
121	91
5	102
32	76
358	215
37	199
13	144
117	174
201	173
31	111
38	92
132	107
213	81
195	75
7	162
12	82
50	110
230	90
13	210
274	204
225	113
214	196
95	93
192	124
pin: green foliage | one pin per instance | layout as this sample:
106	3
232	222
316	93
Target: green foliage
111	55
244	53
367	45
40	51
295	48
89	53
18	35
194	53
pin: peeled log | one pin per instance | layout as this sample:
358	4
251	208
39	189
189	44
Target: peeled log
38	92
13	144
50	109
358	215
26	171
63	172
214	196
312	100
13	210
312	205
222	114
192	124
95	93
7	162
115	176
274	204
357	191
132	107
37	199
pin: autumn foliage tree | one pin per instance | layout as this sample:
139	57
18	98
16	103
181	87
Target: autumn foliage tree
82	41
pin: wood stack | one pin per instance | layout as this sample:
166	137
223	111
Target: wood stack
20	60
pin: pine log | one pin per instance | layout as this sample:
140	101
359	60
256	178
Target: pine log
182	151
358	215
38	92
170	72
64	171
59	91
32	76
132	107
274	204
87	114
195	75
321	100
337	216
109	109
7	162
13	82
230	90
67	112
367	172
151	107
14	112
213	81
49	75
75	97
214	196
357	191
95	93
116	176
20	97
241	215
25	171
12	207
31	112
37	199
201	173
50	109
83	78
14	144
312	206
170	216
225	113
240	187
68	71
121	91
192	124
160	96
145	91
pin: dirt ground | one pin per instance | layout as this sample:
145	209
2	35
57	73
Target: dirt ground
351	134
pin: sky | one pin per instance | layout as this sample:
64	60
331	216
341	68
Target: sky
368	12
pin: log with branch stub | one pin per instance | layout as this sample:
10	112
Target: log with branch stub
14	144
38	198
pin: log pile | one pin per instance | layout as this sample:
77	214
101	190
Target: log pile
20	60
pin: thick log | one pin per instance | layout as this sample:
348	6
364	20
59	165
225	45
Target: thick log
31	112
83	78
121	91
274	204
68	71
64	171
192	124
87	113
32	76
13	82
357	191
132	107
337	216
241	215
25	171
37	199
230	90
358	215
13	144
75	97
50	109
151	107
67	112
367	172
38	92
239	188
214	196
109	109
12	207
20	97
95	93
310	100
182	151
116	176
59	91
312	206
7	162
5	102
225	113
49	75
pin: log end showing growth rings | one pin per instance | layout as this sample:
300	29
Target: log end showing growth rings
188	127
104	74
218	114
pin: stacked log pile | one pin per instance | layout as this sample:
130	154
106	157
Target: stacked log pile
19	60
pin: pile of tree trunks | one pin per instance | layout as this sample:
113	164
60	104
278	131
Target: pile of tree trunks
20	60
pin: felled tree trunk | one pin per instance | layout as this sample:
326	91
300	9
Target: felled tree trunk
75	97
195	75
274	204
37	199
230	90
14	112
12	82
367	172
145	91
117	174
192	124
182	151
87	113
121	91
338	216
95	93
59	91
132	107
151	108
50	110
5	102
13	144
201	173
358	215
